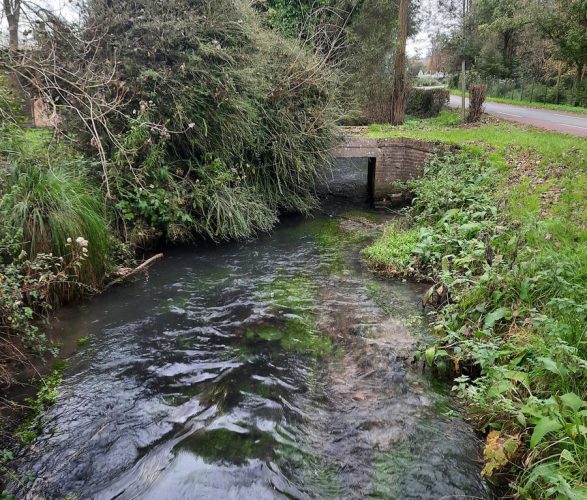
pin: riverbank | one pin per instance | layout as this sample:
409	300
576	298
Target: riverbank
500	228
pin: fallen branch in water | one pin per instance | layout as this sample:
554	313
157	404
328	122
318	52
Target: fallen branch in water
143	267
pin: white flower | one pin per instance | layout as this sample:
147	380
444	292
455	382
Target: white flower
191	125
81	241
69	240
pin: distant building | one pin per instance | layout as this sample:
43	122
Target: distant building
439	75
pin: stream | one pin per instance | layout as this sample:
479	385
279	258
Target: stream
274	368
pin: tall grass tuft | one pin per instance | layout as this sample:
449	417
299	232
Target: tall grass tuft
43	205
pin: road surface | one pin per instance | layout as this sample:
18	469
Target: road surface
559	121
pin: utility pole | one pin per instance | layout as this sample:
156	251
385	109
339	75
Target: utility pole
463	64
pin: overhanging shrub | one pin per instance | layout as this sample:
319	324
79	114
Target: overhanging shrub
213	102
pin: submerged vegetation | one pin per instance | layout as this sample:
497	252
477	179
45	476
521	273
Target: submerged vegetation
499	229
293	297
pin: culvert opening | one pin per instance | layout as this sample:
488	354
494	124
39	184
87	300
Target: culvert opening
353	179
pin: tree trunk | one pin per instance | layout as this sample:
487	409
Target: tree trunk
12	10
398	96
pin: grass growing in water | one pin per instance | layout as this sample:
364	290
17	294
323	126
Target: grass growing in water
502	228
391	253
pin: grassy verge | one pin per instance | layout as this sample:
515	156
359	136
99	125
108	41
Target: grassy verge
527	104
501	231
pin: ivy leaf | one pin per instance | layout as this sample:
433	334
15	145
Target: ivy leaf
543	427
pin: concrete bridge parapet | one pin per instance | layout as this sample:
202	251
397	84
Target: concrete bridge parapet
396	160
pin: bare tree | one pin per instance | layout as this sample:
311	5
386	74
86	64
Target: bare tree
12	11
398	96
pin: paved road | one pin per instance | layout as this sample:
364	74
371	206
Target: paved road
559	121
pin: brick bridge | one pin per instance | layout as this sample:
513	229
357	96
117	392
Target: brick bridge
389	161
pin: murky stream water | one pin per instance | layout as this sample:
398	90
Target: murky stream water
274	368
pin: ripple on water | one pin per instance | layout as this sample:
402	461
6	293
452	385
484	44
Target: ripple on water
252	370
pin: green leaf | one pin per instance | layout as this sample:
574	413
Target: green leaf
543	427
430	354
525	290
572	401
518	376
495	316
499	388
550	364
568	456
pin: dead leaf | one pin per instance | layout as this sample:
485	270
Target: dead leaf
498	450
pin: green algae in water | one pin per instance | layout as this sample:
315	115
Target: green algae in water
230	447
297	334
296	294
395	305
334	243
362	214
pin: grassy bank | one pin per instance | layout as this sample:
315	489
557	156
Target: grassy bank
527	104
500	230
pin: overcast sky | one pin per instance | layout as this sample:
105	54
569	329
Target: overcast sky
433	19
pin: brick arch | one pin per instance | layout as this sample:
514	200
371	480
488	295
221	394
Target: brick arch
396	160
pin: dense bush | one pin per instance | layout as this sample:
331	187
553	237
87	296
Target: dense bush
45	199
428	102
48	211
223	124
